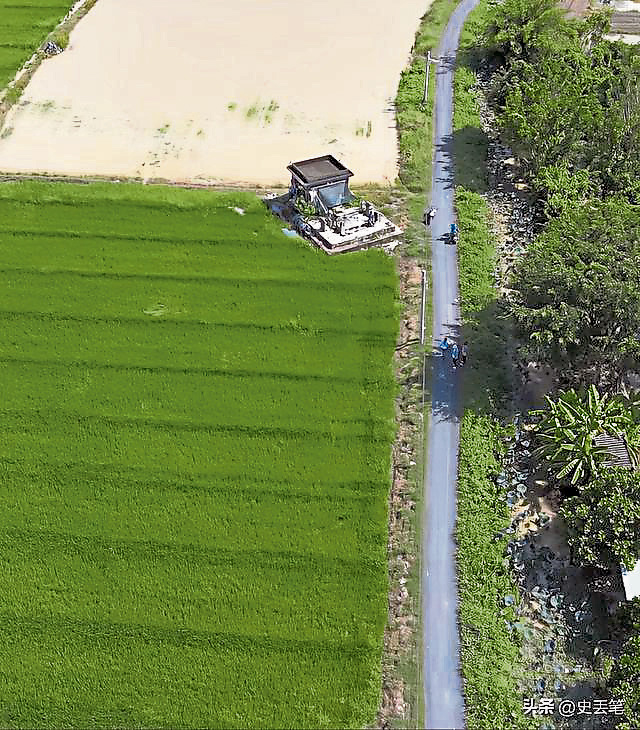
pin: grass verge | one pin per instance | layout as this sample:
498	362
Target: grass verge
489	653
414	119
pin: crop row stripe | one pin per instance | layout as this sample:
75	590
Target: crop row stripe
91	631
56	415
231	373
33	541
370	335
164	479
306	284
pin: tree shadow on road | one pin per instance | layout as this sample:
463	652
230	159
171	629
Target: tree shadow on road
470	144
469	141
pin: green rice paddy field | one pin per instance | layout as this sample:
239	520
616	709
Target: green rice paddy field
24	24
196	415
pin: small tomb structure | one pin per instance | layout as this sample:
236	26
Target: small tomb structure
321	208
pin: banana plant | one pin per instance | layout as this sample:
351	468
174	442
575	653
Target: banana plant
568	429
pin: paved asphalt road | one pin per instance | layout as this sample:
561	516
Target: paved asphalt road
444	704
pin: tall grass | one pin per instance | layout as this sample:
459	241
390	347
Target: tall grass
489	654
413	118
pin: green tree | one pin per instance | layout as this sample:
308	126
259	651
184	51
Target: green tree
563	188
613	149
576	294
525	30
552	109
565	95
624	683
626	621
604	521
568	428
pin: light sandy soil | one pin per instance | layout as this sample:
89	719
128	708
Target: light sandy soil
181	90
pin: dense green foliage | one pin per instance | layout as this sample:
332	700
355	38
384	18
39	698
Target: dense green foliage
624	683
489	653
568	103
577	293
525	31
568	428
197	415
591	126
24	24
604	521
488	650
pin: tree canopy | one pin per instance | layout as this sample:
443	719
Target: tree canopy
624	683
604	521
567	96
566	433
576	293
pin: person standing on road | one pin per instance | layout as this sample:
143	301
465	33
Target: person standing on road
455	355
444	345
429	216
463	353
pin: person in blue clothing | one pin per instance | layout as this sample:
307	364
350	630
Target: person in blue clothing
455	354
454	230
444	345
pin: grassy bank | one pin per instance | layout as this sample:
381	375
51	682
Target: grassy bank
194	464
24	26
414	120
488	651
402	666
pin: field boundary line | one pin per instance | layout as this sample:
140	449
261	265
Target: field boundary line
219	186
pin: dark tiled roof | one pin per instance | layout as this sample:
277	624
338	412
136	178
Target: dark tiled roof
320	169
617	450
627	21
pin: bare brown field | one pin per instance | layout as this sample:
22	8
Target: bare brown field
217	91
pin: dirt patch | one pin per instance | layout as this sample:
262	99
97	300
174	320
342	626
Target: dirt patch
399	700
218	91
